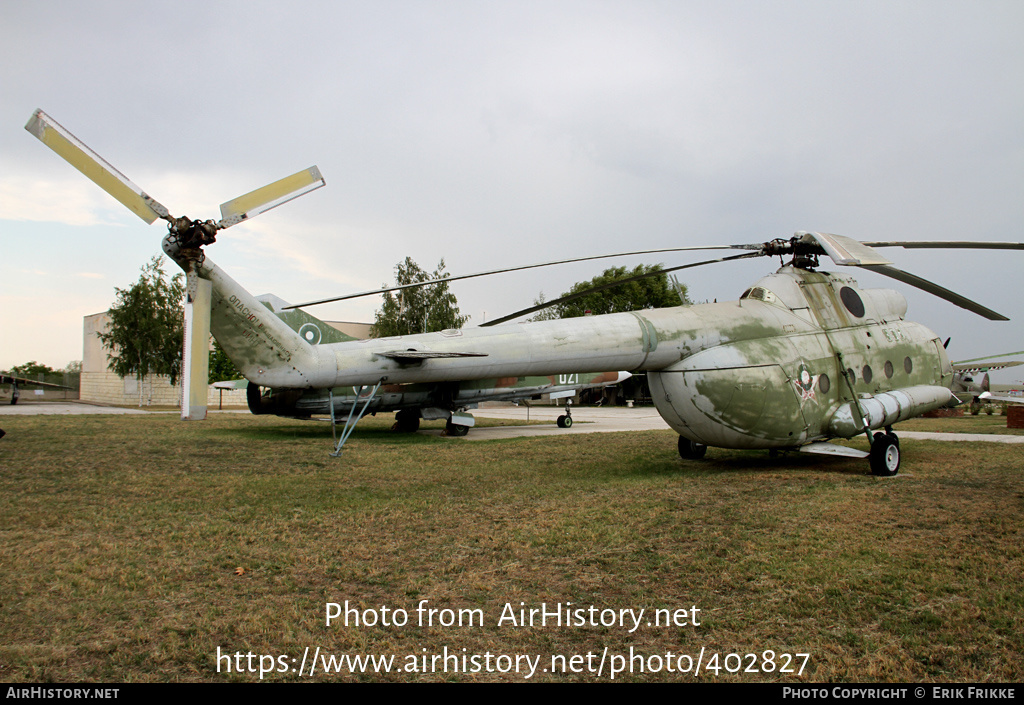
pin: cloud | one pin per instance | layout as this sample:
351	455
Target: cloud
69	201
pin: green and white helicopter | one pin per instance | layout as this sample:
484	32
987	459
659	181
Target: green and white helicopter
802	358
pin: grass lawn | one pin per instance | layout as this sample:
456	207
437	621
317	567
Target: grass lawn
134	547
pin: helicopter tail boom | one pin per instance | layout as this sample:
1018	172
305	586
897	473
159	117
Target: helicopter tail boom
264	348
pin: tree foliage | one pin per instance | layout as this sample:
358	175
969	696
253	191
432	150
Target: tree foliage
418	310
32	369
146	327
222	368
649	292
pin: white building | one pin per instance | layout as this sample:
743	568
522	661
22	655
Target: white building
101	386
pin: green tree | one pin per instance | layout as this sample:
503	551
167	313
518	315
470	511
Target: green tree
146	327
549	313
420	309
32	369
653	291
221	366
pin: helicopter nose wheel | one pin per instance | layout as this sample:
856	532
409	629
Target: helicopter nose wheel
690	450
885	455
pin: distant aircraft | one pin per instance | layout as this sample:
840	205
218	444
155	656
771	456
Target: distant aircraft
14	381
442	400
964	387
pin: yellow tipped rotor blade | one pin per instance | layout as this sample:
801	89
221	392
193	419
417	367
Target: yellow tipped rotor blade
78	155
270	196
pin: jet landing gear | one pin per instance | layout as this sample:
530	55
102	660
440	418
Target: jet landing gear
407	421
565	420
690	450
454	429
885	454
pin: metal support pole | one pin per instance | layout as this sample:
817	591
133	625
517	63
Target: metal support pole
353	418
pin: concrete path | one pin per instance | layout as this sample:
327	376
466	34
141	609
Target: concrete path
971	437
61	408
585	420
72	408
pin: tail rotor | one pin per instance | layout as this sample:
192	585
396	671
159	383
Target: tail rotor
184	241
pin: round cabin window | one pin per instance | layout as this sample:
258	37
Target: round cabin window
852	301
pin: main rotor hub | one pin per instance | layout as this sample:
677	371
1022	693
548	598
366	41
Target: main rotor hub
805	251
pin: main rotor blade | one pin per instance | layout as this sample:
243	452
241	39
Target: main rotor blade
847	251
610	285
510	269
95	167
270	196
951	244
941	292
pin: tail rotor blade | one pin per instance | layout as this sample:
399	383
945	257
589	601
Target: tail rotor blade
195	367
97	169
270	196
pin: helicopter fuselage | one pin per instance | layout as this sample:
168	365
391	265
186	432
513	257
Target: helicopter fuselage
801	356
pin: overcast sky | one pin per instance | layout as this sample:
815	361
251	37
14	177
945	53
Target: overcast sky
503	133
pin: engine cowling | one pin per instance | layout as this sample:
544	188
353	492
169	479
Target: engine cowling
280	402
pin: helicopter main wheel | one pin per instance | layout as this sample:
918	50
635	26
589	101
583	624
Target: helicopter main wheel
454	429
690	450
885	455
888	434
407	421
564	421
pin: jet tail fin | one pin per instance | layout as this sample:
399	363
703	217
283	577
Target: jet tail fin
309	327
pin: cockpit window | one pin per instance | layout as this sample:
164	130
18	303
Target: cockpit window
759	293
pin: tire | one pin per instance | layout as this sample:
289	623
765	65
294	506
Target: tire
454	429
407	421
690	450
893	436
564	421
885	455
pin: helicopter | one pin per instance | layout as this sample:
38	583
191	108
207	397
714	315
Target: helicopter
802	358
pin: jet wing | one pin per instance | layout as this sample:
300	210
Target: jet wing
22	381
988	396
418	356
973	369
